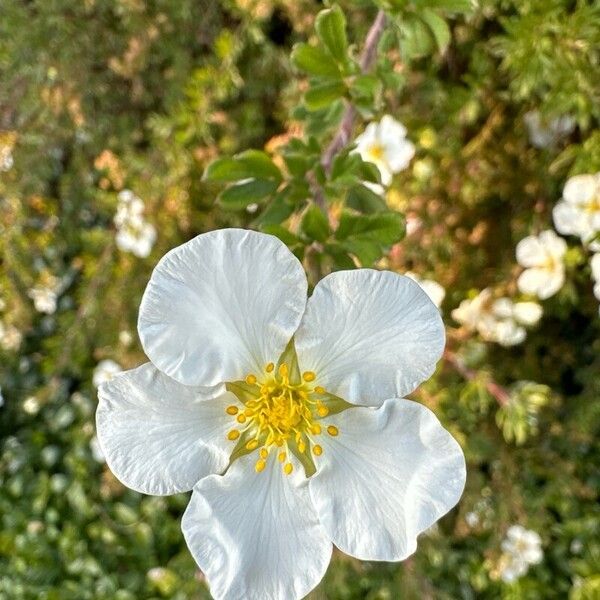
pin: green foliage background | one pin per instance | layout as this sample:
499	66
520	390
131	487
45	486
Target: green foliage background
101	95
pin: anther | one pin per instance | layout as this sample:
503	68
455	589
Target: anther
241	418
308	376
281	457
252	445
317	450
269	368
260	465
234	434
323	411
250	379
301	446
232	410
332	430
264	453
319	390
315	429
283	370
288	468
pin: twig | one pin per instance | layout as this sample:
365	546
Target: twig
366	61
495	389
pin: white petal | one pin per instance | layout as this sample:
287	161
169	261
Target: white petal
388	476
531	252
221	306
399	154
542	283
369	335
503	308
570	220
391	130
508	333
158	436
595	265
528	313
580	189
554	245
256	536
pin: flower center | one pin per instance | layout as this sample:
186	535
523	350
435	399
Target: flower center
280	416
376	152
593	204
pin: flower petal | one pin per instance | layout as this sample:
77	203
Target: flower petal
256	536
580	189
221	306
530	252
388	476
369	335
158	436
542	283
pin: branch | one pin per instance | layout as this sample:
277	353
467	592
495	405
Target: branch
495	389
366	61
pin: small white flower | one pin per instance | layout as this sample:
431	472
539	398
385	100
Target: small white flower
546	134
578	213
97	450
31	405
385	145
595	264
524	544
10	337
501	321
6	158
512	568
283	415
542	256
105	370
138	240
44	299
125	337
432	288
472	519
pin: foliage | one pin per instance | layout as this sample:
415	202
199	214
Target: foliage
226	114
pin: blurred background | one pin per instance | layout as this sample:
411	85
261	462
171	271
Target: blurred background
107	105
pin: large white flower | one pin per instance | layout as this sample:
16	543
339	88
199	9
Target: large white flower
385	145
542	256
578	213
284	416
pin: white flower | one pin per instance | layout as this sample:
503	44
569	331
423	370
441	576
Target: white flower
545	134
6	158
44	299
10	337
134	234
512	568
385	145
138	240
283	415
105	370
595	264
578	213
524	544
501	321
542	256
432	288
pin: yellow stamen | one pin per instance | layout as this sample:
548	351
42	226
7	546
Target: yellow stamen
317	450
322	411
252	445
282	456
301	446
283	370
234	434
264	453
269	368
319	390
308	376
251	379
288	468
241	418
332	430
260	465
315	429
232	410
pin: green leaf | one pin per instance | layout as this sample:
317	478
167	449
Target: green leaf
416	38
240	195
331	29
364	200
314	61
286	236
321	95
250	164
315	224
439	28
276	212
366	236
458	6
